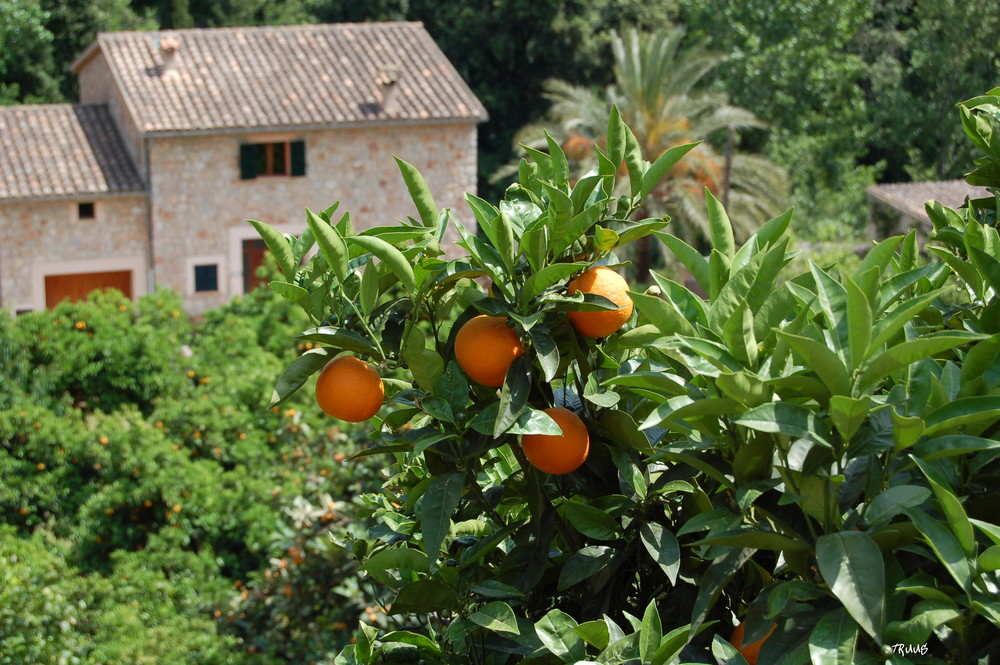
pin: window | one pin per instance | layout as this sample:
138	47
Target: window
86	210
283	158
206	278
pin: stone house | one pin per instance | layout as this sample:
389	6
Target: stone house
181	137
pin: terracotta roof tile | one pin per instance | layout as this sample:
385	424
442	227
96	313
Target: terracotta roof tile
272	77
62	150
909	197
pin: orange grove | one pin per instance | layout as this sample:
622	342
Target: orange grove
560	453
349	389
605	282
748	651
485	347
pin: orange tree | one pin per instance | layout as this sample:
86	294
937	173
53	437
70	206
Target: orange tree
802	455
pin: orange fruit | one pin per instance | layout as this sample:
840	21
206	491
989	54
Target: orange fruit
604	282
748	651
485	347
349	389
561	453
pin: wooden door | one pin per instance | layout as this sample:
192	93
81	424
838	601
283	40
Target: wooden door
77	286
253	258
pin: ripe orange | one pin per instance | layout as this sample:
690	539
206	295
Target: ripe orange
349	389
485	348
605	282
748	651
559	453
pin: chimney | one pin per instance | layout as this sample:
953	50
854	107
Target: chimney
388	80
169	46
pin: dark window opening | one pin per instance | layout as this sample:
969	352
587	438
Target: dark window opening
286	158
86	210
206	278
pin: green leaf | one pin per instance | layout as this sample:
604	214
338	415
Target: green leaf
435	510
594	633
786	418
945	546
513	395
663	546
958	520
651	632
390	256
496	616
690	257
546	277
560	167
413	639
879	256
720	228
833	302
662	314
890	502
331	245
849	413
369	288
953	445
717	576
340	338
424	596
419	192
725	653
989	560
634	162
894	321
662	165
298	372
772	230
905	353
964	412
556	632
584	564
279	247
293	293
751	537
829	367
859	323
852	565
590	521
616	137
424	364
833	640
964	269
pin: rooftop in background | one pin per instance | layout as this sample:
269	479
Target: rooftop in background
62	150
908	198
235	79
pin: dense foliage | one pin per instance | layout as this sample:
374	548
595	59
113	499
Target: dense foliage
811	455
153	509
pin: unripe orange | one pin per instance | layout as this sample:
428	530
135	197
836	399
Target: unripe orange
605	282
485	347
561	453
349	389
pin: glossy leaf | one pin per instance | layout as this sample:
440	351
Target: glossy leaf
833	640
436	508
298	372
852	565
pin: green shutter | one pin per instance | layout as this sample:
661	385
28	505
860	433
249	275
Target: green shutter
248	161
298	158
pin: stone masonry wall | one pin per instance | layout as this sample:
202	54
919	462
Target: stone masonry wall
200	204
97	86
47	237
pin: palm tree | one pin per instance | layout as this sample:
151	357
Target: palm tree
659	90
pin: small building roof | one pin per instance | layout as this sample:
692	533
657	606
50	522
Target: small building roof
909	197
62	151
255	78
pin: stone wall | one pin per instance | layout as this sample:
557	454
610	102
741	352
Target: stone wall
97	86
41	238
200	204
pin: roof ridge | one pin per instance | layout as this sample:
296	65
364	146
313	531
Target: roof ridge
262	28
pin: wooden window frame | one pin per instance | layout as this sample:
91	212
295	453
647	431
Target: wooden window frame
269	150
